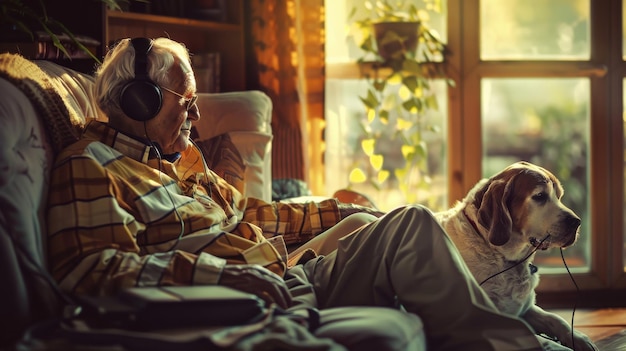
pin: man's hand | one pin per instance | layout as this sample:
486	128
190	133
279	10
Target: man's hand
259	281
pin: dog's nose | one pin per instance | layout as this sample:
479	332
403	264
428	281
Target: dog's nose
572	221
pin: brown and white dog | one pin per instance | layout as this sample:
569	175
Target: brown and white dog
500	222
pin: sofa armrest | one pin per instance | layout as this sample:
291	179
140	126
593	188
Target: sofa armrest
25	161
246	117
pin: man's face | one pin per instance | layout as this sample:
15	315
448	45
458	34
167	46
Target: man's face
171	128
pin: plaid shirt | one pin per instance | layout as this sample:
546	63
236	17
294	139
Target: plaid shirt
118	217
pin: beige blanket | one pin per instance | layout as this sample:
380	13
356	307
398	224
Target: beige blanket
61	120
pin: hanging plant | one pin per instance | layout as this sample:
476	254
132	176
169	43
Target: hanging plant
401	56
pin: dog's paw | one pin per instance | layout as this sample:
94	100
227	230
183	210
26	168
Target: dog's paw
551	345
581	342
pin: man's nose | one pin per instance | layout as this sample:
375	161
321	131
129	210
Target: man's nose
194	113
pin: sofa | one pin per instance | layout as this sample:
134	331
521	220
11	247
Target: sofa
44	106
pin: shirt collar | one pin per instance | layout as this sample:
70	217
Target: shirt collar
136	148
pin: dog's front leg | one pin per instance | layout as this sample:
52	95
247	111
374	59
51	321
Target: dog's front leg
553	325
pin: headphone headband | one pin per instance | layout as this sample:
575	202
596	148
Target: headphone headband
142	48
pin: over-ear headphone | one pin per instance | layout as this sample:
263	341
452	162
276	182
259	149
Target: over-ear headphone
141	98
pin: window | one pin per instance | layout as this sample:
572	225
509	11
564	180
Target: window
379	166
542	119
539	80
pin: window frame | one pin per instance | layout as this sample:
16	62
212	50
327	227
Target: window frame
606	70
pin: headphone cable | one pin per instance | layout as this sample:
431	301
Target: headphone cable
174	207
568	272
575	300
517	263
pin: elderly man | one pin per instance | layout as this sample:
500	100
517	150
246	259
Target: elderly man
133	204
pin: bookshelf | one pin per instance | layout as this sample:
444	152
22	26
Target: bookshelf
201	36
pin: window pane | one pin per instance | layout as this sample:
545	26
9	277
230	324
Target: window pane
341	38
546	122
534	30
347	149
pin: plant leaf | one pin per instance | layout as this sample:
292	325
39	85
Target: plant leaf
379	85
410	82
382	176
384	116
368	146
370	101
431	102
357	176
376	161
413	67
404	124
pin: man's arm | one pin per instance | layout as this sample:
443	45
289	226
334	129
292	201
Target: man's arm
299	222
107	232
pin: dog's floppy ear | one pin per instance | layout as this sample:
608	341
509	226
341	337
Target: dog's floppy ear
493	210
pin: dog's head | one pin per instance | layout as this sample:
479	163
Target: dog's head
525	200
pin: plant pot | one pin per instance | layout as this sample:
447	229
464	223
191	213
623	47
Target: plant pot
396	39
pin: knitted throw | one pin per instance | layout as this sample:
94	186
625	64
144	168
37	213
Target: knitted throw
62	122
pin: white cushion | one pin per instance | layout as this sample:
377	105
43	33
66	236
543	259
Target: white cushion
221	113
255	149
246	116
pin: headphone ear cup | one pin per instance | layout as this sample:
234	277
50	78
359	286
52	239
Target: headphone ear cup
141	100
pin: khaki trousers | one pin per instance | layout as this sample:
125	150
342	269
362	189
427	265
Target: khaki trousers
405	257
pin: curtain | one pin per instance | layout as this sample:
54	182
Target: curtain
288	54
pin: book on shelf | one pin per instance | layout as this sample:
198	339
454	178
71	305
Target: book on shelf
211	10
207	69
43	47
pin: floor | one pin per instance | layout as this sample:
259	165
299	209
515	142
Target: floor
606	327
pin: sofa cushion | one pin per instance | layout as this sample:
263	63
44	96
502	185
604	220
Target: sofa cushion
243	111
256	150
223	158
246	117
242	159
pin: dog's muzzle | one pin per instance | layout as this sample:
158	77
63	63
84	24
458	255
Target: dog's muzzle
541	244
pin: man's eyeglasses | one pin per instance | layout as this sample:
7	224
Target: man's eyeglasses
190	101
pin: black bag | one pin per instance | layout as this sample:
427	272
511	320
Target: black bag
189	318
149	308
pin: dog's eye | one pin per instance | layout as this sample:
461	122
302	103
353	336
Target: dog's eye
540	197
